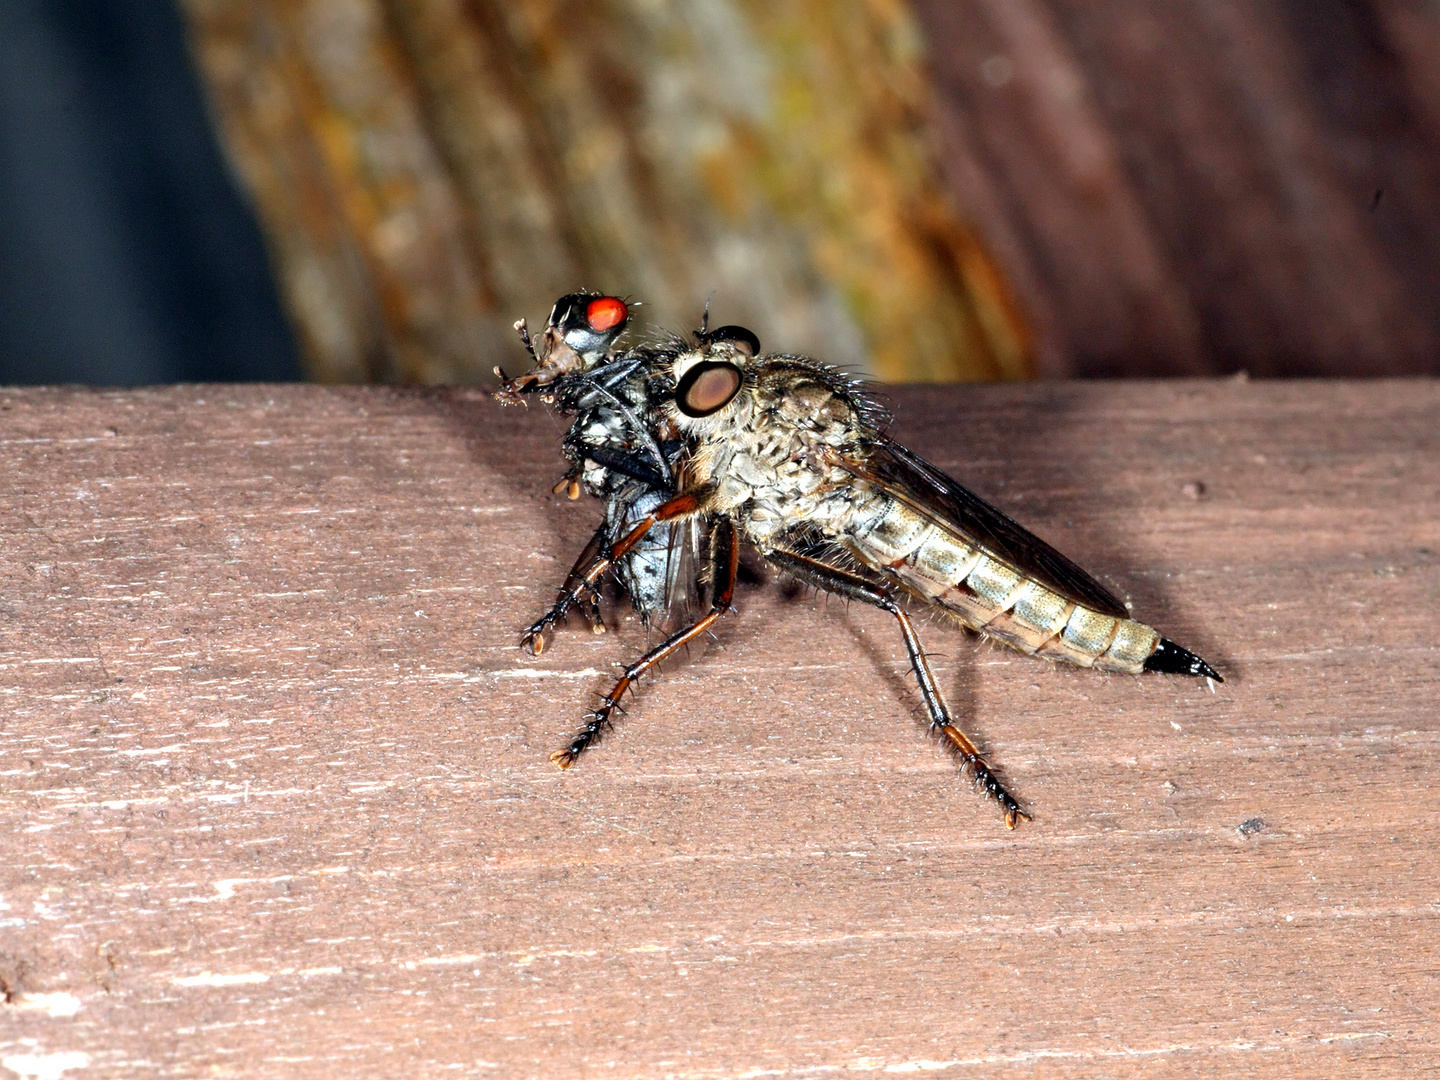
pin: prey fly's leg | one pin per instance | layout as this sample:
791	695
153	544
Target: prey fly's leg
829	578
725	565
573	592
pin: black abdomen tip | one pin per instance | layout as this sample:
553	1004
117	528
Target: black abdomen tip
1173	660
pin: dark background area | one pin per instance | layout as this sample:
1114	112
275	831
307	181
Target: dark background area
1196	187
127	255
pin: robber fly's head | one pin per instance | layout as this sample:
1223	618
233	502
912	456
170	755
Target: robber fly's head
582	327
709	378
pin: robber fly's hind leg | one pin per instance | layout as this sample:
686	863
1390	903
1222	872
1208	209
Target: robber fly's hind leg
725	565
832	579
573	592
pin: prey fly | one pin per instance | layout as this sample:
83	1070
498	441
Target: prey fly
706	442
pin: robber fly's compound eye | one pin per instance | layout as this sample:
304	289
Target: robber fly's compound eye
738	336
708	387
605	313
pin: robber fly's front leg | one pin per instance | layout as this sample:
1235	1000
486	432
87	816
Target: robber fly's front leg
573	592
843	583
725	565
580	583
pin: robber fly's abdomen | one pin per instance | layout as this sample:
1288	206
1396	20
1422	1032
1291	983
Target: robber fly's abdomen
988	595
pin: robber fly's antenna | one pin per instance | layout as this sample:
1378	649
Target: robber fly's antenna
705	316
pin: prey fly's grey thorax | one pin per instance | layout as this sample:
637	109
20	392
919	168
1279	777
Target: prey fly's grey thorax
705	442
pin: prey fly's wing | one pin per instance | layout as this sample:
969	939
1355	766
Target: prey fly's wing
683	583
930	492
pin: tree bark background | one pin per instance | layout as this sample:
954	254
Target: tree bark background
965	189
429	171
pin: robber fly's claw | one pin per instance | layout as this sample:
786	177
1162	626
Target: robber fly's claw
564	758
533	642
1010	806
988	783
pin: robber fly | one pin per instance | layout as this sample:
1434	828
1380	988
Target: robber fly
789	456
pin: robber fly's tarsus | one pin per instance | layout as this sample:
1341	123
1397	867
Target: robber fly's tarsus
724	567
573	593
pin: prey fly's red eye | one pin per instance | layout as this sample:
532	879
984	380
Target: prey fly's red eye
605	313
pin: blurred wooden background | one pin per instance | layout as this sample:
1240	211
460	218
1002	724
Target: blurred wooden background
1200	186
429	171
948	189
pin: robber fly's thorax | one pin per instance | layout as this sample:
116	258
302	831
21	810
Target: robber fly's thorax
770	452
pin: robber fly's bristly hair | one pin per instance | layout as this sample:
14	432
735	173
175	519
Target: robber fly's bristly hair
873	415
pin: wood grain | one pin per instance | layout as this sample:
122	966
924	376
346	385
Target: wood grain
275	797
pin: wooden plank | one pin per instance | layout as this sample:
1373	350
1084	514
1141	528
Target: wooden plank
276	799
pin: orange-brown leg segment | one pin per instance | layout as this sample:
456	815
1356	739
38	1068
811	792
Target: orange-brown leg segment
832	579
725	565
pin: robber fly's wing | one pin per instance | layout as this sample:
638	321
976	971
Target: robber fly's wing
940	498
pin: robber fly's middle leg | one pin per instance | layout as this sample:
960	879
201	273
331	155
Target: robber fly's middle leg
725	566
829	578
574	592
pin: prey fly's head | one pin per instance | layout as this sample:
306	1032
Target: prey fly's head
579	334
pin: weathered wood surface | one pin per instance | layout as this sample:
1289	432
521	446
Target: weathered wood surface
275	797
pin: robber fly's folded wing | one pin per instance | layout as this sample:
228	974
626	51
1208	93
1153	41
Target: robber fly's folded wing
950	506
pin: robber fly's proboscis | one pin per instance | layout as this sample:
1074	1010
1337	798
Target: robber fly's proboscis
703	444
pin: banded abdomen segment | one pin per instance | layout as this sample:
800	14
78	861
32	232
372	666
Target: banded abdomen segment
993	597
